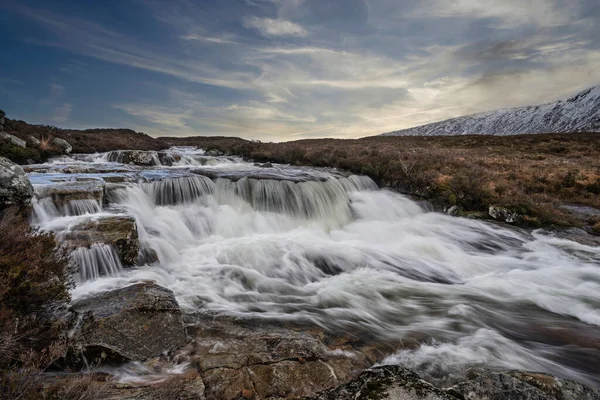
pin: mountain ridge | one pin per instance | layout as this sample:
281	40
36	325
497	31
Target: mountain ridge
578	113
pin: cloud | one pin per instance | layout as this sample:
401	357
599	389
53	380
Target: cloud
275	27
208	39
62	112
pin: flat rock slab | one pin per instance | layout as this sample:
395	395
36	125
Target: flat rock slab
261	360
133	323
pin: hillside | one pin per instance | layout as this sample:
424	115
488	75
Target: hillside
579	113
38	140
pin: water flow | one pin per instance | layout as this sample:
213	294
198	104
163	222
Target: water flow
96	261
320	248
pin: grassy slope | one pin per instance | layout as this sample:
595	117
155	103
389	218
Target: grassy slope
531	174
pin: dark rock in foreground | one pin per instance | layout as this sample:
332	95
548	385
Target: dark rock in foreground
394	382
15	188
386	383
133	323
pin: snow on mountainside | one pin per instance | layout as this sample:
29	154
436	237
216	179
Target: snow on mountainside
580	113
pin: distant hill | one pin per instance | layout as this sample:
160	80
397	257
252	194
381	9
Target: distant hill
579	113
88	140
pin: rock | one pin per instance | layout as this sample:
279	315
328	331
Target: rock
2	119
118	231
504	215
214	153
167	158
261	360
15	188
64	145
390	382
136	157
189	386
129	324
267	165
13	139
522	386
35	141
69	197
147	256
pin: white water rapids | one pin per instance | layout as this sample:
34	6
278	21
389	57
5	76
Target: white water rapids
311	245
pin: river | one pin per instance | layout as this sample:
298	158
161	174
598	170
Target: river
323	247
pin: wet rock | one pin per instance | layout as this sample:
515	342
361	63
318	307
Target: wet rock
63	145
520	385
147	255
136	157
167	158
13	139
15	188
386	383
133	323
264	360
118	231
214	153
504	215
266	165
178	387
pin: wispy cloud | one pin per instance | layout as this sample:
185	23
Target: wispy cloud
208	39
275	27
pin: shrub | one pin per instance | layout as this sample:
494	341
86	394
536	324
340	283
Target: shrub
34	283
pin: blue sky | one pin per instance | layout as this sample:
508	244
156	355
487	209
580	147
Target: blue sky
288	69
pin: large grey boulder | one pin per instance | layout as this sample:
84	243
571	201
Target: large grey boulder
13	139
390	382
134	323
15	188
64	145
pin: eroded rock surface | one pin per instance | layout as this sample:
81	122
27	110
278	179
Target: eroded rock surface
116	230
129	324
15	188
243	359
520	385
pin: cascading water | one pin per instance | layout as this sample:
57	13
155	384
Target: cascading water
96	261
309	245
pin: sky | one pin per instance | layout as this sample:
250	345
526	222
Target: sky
278	70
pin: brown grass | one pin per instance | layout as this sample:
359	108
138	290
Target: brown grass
530	174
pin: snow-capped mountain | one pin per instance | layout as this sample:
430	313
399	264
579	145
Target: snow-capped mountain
580	113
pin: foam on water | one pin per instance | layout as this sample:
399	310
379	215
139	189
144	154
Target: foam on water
337	252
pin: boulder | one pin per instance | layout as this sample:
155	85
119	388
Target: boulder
13	139
35	141
214	153
523	386
64	145
2	119
134	323
390	382
136	157
116	230
503	214
15	188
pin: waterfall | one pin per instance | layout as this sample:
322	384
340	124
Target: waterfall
98	260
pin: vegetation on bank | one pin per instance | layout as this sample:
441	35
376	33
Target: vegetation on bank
34	293
531	175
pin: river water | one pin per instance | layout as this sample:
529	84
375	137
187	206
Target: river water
323	247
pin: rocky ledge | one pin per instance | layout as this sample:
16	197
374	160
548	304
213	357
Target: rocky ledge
397	383
134	323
